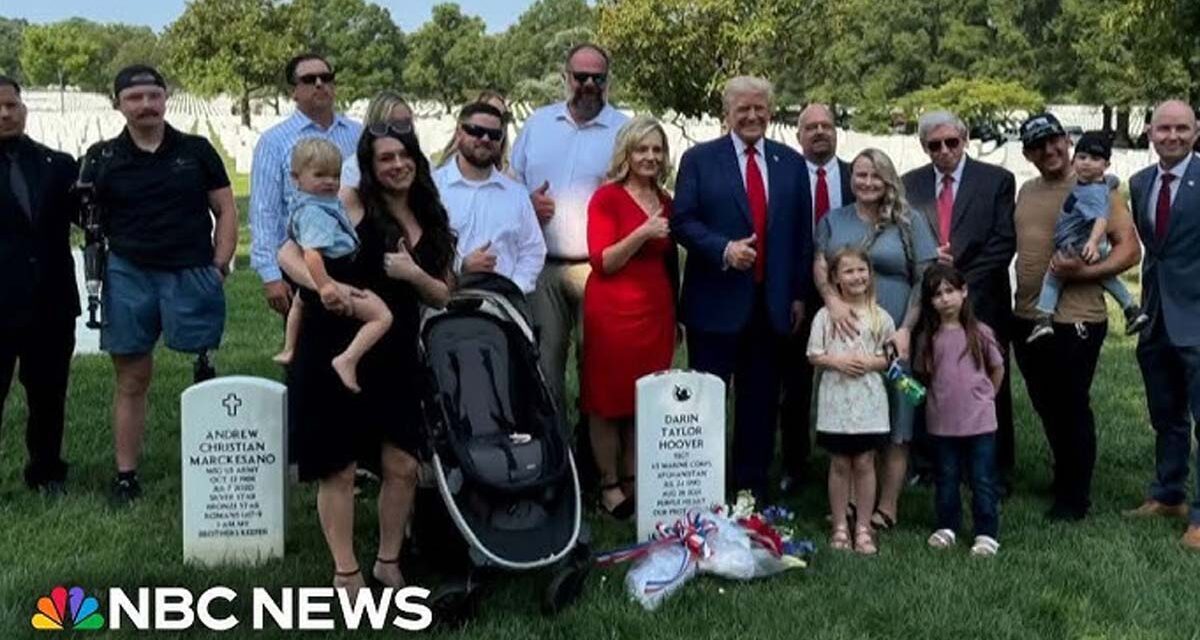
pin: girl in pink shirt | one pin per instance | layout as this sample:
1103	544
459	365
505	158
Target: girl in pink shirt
960	360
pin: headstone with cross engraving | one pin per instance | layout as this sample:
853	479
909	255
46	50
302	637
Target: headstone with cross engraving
680	446
234	458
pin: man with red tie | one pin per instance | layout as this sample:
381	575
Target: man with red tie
969	205
1166	208
829	186
742	212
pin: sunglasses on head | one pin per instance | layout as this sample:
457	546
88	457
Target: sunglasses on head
582	77
398	127
936	145
478	132
311	78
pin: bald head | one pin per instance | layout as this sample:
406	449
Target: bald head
817	133
1173	131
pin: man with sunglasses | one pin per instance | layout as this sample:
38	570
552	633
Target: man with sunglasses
492	215
561	156
1058	370
313	89
969	204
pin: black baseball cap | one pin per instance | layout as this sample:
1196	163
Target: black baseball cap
1039	127
135	75
1094	143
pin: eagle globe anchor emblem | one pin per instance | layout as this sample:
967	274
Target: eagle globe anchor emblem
682	394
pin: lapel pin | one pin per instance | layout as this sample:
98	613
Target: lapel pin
1191	183
775	158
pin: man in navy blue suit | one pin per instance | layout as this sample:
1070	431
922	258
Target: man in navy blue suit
742	212
1166	208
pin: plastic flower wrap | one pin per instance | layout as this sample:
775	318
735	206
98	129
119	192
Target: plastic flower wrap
733	541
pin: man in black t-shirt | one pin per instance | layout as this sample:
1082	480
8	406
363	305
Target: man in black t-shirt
159	190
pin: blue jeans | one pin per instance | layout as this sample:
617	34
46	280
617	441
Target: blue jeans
978	453
1172	377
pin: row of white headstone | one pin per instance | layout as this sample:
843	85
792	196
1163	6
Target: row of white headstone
234	461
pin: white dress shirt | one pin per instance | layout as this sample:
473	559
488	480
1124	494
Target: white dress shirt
833	178
739	146
938	176
573	158
1179	170
496	210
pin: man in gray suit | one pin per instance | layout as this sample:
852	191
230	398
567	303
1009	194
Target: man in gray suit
1166	207
970	204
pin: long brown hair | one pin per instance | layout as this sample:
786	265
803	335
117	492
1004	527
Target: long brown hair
931	321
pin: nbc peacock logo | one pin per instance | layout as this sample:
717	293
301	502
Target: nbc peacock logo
67	609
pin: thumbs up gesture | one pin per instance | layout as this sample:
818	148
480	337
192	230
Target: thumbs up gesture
480	260
543	204
740	254
656	226
400	265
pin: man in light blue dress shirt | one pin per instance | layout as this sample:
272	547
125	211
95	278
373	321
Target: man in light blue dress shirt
497	229
271	188
561	156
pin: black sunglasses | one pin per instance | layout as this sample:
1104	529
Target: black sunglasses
311	78
398	127
478	132
935	146
582	77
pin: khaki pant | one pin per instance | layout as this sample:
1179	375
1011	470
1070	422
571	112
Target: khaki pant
557	310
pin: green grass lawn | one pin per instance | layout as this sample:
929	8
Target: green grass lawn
1105	578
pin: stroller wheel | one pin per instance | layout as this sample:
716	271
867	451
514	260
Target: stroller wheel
566	585
455	603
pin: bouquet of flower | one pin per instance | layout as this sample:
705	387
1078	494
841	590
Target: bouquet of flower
731	541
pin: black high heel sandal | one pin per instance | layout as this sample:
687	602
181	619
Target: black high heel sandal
624	510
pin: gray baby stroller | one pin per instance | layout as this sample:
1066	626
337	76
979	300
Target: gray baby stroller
497	447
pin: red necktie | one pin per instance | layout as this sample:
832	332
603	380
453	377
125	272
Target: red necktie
1162	214
821	199
945	205
756	193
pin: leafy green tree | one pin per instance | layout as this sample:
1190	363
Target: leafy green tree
10	48
532	49
128	44
229	46
450	56
675	55
980	103
65	53
360	39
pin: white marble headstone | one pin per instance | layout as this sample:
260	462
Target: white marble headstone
680	446
234	458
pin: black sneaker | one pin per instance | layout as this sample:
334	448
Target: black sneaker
1135	320
125	491
1042	329
1060	513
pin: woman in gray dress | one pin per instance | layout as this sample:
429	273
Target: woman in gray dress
901	246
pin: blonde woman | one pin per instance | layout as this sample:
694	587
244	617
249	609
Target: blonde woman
629	300
496	99
386	107
901	246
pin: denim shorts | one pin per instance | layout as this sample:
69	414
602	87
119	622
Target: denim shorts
187	306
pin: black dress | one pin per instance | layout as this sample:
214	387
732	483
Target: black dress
334	427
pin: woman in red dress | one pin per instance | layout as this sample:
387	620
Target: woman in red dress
629	301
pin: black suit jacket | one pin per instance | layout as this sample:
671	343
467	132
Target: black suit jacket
37	272
982	238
